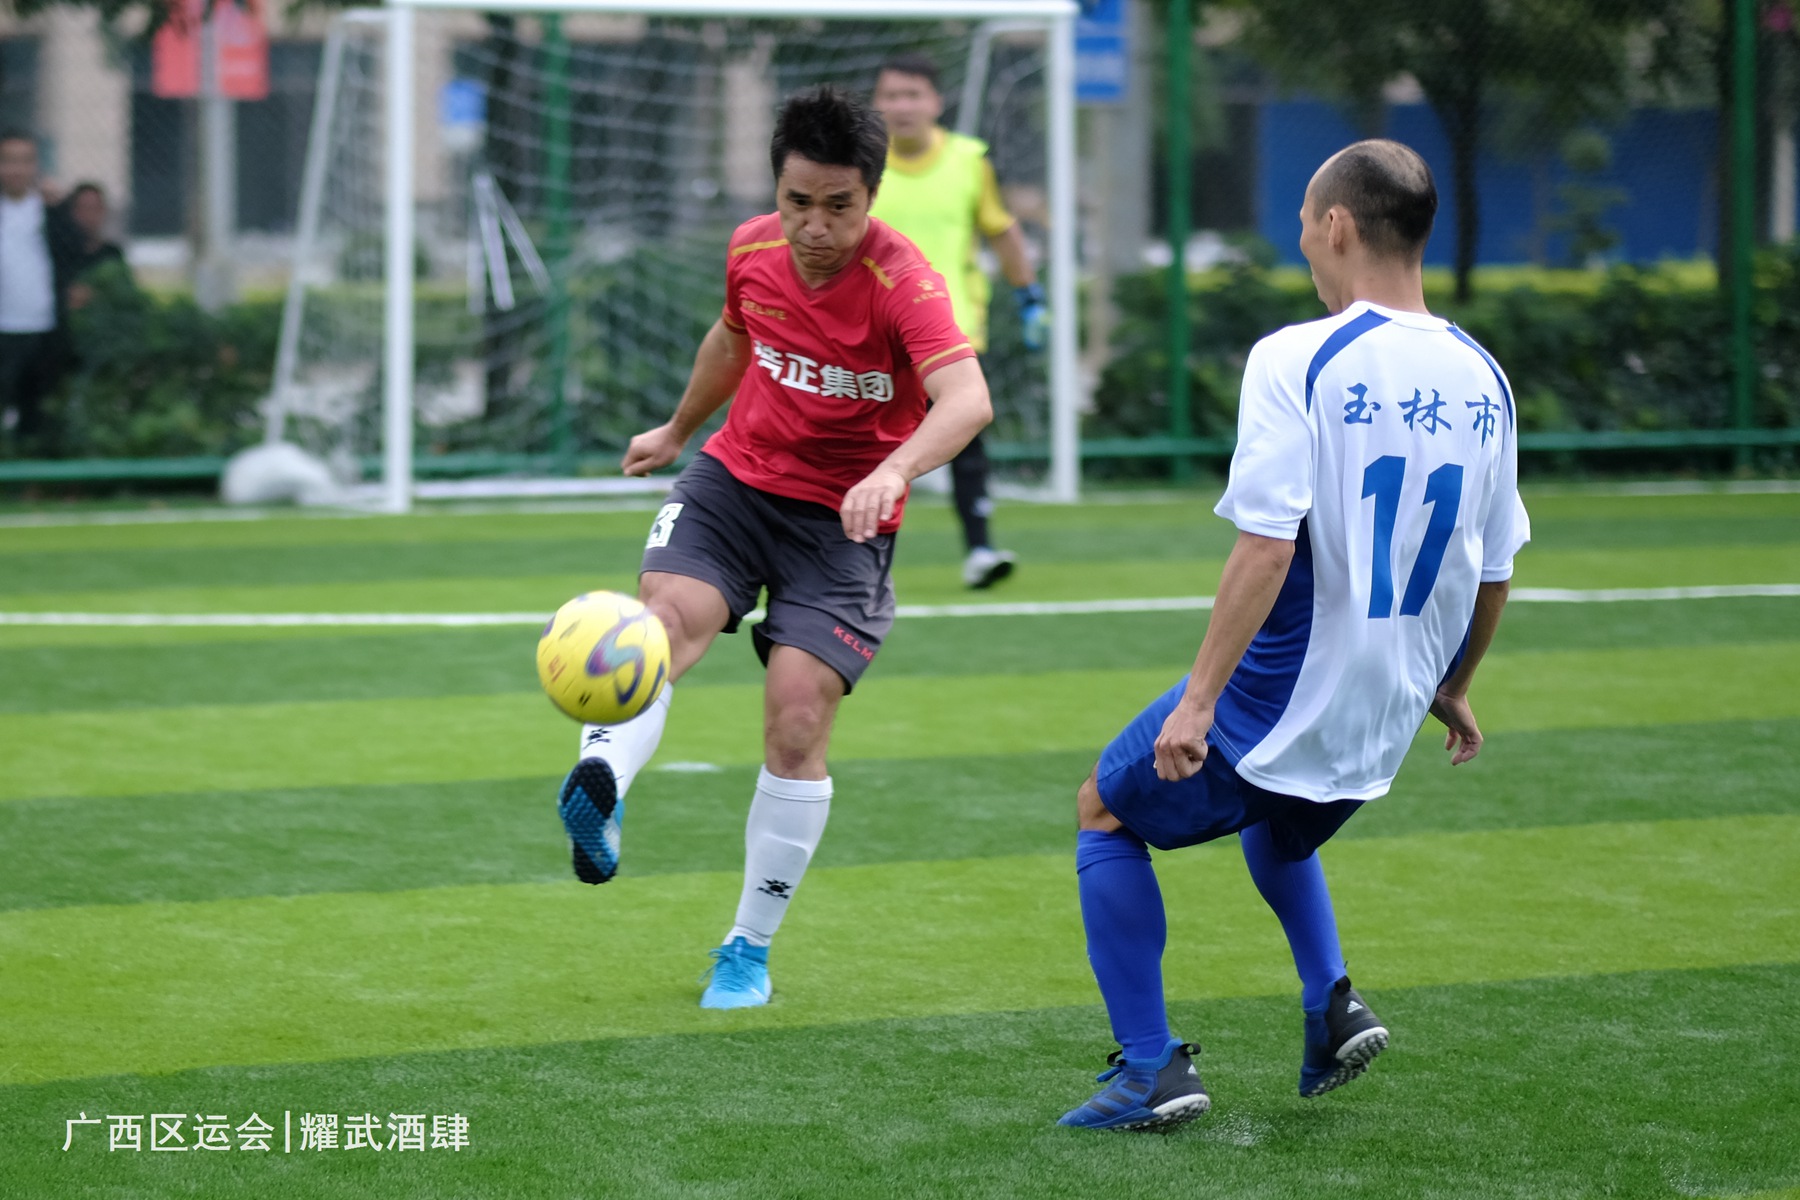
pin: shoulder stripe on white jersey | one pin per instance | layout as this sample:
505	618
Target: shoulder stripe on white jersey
1492	366
1342	336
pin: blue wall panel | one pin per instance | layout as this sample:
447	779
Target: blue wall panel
1662	162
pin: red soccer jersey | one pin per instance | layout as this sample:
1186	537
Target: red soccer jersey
837	377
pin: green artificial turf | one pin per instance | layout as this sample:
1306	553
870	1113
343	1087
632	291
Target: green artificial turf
220	747
293	870
1642	1085
340	974
212	845
189	667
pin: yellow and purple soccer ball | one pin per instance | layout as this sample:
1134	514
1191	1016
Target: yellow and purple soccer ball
603	658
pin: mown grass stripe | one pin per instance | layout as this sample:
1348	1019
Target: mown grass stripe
1047	608
216	530
205	846
102	990
353	562
604	548
271	620
54	662
226	747
1175	525
1550	504
543	591
1042	580
960	1108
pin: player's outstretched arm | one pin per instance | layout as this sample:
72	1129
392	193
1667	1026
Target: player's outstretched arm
1015	264
959	410
719	367
1451	706
1251	581
1014	256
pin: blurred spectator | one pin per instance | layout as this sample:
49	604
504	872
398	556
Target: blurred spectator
34	246
86	213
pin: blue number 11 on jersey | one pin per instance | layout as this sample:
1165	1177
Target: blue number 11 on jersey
1383	480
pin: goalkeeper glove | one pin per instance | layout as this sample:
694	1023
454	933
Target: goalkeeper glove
1034	316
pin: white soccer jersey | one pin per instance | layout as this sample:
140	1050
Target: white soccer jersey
1385	444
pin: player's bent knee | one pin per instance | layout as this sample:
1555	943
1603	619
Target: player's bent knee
691	610
798	722
794	744
797	730
1091	811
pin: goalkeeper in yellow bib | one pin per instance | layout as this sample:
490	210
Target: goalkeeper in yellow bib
940	191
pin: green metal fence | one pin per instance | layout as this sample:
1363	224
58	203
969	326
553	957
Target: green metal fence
1744	410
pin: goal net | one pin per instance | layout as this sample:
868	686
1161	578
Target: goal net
567	181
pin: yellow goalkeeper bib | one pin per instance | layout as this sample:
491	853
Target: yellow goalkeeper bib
940	200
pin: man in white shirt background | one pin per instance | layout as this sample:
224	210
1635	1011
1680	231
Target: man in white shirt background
31	341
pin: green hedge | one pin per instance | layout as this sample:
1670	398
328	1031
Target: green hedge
155	376
1631	349
1626	350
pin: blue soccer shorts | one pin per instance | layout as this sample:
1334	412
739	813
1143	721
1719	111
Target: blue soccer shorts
1211	803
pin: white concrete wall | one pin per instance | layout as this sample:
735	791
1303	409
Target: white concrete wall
84	103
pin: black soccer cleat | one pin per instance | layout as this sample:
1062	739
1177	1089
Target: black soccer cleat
1341	1042
1158	1094
591	813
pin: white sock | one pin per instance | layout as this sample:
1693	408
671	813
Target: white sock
627	747
787	818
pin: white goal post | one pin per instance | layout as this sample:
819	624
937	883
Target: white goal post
384	119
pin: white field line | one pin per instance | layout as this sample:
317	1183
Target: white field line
266	620
1046	608
559	502
1616	595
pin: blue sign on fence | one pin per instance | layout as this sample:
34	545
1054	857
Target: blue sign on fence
462	102
462	115
1102	52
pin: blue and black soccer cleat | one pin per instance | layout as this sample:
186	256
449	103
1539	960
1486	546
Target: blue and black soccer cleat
1341	1042
592	812
1160	1094
740	976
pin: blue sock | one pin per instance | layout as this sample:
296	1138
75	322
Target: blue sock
1296	891
1122	908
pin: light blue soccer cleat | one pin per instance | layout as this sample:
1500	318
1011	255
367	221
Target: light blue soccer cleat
1159	1094
592	813
740	976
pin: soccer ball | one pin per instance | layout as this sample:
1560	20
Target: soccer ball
603	658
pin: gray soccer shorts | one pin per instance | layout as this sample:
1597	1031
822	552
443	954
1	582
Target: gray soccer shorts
828	595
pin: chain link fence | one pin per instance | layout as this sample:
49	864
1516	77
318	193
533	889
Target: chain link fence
1591	161
1589	174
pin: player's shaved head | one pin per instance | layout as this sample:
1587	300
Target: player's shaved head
830	126
1387	189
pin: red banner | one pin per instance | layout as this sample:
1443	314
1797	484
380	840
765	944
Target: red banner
175	52
241	39
243	44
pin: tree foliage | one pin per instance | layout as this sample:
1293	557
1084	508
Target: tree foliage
1570	61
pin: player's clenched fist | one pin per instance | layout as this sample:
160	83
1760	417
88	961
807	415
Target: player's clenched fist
871	502
1181	746
650	451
